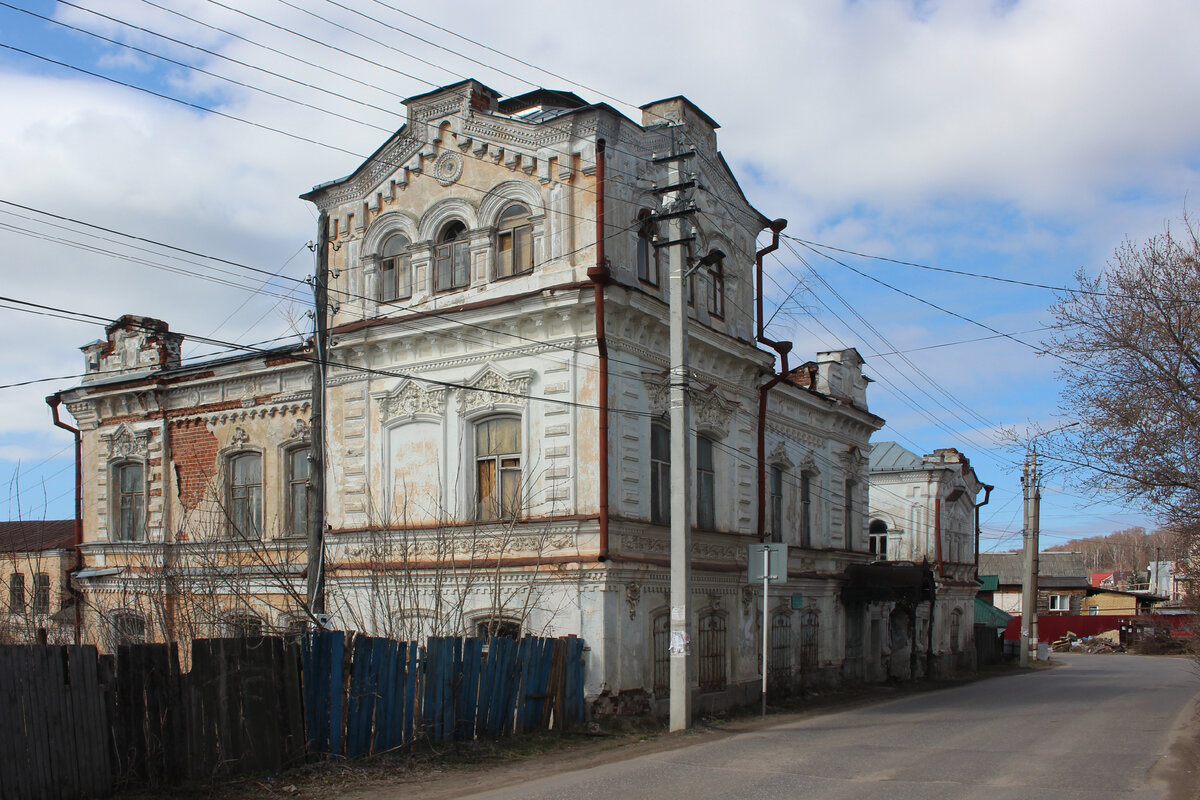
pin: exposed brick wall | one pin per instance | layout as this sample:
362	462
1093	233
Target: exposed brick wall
194	451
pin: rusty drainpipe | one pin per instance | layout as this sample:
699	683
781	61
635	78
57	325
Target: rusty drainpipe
54	401
600	276
782	348
937	533
987	495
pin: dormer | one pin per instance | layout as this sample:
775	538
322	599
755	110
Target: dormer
132	344
840	375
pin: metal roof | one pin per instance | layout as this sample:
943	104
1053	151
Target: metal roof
891	457
35	536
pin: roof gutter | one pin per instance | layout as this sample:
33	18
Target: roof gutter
987	495
600	275
54	401
782	348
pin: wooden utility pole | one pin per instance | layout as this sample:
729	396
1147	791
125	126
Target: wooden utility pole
316	480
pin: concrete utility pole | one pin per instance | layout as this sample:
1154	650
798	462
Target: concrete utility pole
316	475
681	478
1030	583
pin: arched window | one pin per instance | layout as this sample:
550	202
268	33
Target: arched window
878	541
661	632
716	290
514	242
299	470
498	468
646	253
451	259
810	628
395	270
490	627
131	502
779	664
128	627
955	630
706	485
243	625
660	474
245	495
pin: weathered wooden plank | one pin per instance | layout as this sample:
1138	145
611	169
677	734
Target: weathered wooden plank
96	730
15	773
292	701
411	693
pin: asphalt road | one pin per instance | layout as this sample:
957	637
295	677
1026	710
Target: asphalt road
1093	728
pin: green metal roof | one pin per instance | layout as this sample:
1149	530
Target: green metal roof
989	583
988	614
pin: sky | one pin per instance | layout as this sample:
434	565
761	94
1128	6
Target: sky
1016	140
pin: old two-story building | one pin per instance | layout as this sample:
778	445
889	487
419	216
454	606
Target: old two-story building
1062	582
496	430
36	560
923	510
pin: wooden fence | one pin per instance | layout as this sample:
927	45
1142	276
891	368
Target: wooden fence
53	723
74	724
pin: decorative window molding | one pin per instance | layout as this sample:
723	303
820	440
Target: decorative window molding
127	492
490	389
712	413
514	242
125	442
498	468
409	400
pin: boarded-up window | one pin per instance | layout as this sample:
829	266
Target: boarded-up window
498	468
514	242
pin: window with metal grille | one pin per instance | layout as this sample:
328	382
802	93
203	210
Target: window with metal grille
514	242
451	258
711	652
780	661
498	468
41	593
660	474
662	655
705	485
810	628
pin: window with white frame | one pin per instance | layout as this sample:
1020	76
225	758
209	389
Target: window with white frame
130	502
706	485
451	262
1059	602
299	471
245	495
877	541
514	242
128	627
498	468
394	274
776	504
660	474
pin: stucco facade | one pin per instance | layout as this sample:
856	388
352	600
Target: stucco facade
466	410
923	512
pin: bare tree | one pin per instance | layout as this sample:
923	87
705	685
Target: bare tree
1129	339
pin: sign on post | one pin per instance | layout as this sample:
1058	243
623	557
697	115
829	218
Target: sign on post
775	562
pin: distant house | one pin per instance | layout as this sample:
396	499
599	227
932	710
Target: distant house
1062	581
36	558
1115	602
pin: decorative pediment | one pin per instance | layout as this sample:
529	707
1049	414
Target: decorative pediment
409	399
125	442
779	456
711	411
808	464
300	429
491	387
852	460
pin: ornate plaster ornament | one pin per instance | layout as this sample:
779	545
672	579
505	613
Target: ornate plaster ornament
409	400
489	388
126	443
240	437
748	597
808	463
633	593
299	429
448	167
713	412
779	455
852	460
